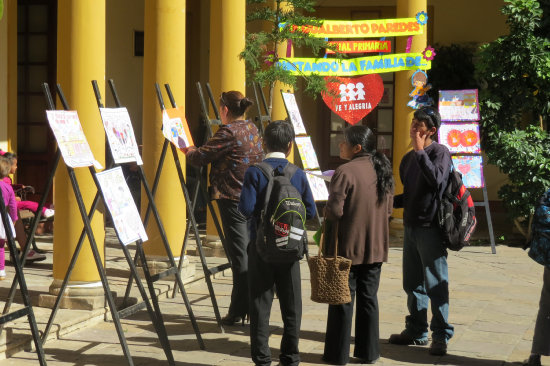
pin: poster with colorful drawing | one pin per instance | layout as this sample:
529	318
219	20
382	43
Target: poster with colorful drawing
120	135
294	114
458	105
460	138
175	128
471	168
70	138
317	185
307	153
121	205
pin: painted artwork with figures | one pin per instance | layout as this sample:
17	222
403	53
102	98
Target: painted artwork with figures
317	185
294	114
471	168
307	153
120	134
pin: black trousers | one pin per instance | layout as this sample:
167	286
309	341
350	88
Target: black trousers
236	234
262	277
363	283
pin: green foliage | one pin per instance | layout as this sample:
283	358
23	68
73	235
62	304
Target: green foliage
515	105
260	52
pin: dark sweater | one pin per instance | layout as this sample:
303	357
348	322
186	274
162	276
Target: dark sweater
253	192
424	175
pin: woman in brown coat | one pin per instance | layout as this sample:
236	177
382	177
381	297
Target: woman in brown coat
361	200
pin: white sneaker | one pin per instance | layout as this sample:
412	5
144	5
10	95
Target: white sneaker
33	256
2	274
48	213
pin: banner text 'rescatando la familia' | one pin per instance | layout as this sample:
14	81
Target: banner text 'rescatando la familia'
355	66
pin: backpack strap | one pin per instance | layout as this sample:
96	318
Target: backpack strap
267	171
289	170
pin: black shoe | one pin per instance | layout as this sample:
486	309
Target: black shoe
365	361
404	339
438	348
231	319
534	360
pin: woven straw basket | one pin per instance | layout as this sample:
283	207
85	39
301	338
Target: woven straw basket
329	275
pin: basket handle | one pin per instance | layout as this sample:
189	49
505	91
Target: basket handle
335	233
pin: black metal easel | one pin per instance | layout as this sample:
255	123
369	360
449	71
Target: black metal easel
20	279
87	230
262	119
173	270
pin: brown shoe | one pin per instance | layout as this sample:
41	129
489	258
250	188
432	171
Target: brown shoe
438	348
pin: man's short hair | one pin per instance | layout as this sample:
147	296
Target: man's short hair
428	115
277	136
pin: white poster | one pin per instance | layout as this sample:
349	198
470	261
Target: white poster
120	135
317	185
294	114
121	205
70	138
307	153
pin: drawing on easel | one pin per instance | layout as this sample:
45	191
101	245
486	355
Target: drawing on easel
460	138
121	205
459	105
120	135
175	128
294	114
307	153
317	185
471	168
70	138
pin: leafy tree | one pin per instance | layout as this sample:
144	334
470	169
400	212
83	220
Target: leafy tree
260	52
515	106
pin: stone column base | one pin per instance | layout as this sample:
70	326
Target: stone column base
78	295
212	247
158	264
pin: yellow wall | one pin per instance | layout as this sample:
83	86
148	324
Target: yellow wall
4	82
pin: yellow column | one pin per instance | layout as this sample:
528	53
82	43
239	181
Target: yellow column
80	59
227	71
164	62
402	113
10	15
278	110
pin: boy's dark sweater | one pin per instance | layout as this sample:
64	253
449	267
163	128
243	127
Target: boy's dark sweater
255	184
424	175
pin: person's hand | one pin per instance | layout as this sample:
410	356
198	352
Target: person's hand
417	139
185	150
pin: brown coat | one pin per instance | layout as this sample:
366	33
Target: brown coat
363	231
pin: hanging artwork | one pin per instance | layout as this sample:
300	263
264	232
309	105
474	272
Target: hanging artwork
419	97
294	114
70	138
121	205
307	153
353	98
120	135
471	168
459	105
460	138
175	128
317	185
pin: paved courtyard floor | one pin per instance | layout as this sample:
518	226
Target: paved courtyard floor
494	300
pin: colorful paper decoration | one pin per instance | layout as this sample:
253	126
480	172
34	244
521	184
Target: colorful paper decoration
355	66
120	135
121	205
420	99
374	28
460	138
360	46
70	138
471	168
307	153
175	128
354	98
294	114
317	185
459	105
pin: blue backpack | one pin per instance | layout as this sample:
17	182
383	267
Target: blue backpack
539	249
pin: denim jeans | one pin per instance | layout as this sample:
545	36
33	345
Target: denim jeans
425	278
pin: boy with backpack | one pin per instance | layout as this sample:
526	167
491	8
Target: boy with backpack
277	195
424	172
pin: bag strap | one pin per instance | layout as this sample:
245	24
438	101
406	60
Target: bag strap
267	171
335	233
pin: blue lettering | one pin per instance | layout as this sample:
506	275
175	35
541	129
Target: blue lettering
417	61
298	64
362	65
334	66
307	67
400	62
344	69
410	61
379	64
326	66
352	67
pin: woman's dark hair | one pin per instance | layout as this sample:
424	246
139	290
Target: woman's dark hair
363	136
236	103
277	136
428	115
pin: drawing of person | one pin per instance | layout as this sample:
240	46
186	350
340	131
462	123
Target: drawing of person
360	92
419	97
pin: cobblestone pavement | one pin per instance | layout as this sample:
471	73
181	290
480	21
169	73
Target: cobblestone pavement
494	300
